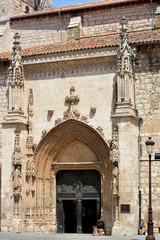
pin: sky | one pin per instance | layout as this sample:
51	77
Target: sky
58	3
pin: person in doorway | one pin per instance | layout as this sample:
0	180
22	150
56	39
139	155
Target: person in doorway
99	229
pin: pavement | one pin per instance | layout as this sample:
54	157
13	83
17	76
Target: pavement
33	236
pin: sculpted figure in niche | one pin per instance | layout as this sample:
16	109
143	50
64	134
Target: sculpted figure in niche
115	180
17	179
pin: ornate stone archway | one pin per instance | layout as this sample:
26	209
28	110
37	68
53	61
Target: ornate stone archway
49	161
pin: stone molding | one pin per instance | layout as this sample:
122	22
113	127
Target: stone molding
70	67
108	53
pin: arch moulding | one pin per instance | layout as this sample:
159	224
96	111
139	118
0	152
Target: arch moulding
47	165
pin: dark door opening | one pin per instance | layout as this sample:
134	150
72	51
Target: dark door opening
89	215
78	200
70	216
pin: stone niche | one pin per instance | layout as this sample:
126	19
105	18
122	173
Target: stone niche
157	17
74	27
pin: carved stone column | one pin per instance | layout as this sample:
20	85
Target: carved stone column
79	215
30	168
16	174
114	158
127	121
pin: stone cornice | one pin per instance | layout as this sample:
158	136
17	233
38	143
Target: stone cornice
108	53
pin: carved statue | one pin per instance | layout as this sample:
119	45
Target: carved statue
115	180
17	179
17	155
78	188
114	152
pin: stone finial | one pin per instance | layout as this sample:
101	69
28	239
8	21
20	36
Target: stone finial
16	74
16	37
16	54
123	23
71	100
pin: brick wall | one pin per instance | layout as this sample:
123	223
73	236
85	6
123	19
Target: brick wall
47	28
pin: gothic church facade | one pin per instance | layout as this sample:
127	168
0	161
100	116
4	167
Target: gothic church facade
80	95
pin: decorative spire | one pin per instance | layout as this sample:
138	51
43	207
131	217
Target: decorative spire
16	79
16	74
125	89
123	23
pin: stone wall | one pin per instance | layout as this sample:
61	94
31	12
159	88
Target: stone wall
20	7
3	99
47	28
148	104
92	81
9	8
3	112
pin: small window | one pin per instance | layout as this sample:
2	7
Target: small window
26	9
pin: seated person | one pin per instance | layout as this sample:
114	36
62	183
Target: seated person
140	231
99	229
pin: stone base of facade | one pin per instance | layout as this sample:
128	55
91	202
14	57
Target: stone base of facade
116	231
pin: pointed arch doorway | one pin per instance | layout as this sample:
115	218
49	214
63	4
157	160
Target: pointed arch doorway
78	200
72	147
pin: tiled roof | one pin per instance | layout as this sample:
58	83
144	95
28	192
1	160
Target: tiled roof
75	7
111	40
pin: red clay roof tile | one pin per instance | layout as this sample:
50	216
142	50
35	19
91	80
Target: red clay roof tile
145	36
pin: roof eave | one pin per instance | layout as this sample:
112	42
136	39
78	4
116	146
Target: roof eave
72	9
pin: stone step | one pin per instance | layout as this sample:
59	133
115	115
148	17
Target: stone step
33	236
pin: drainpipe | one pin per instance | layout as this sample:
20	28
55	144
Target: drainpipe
139	166
152	15
61	23
139	140
35	5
